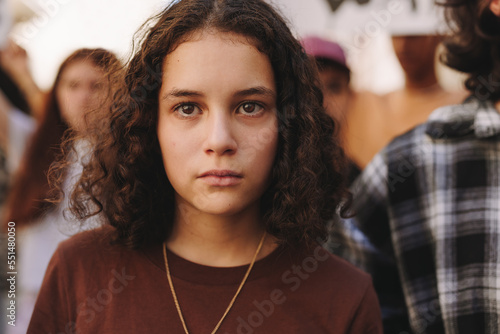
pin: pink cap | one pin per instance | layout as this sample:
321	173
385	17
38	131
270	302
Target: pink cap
321	48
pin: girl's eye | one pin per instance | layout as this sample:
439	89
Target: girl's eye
250	108
187	110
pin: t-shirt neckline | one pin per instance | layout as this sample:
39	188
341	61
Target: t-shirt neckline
196	273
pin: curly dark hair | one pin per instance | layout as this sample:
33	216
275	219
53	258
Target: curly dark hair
126	180
474	45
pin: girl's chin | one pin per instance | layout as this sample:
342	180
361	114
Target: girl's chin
213	208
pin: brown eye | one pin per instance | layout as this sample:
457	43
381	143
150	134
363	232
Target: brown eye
250	109
187	110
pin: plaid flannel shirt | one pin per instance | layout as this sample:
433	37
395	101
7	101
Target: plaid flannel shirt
427	224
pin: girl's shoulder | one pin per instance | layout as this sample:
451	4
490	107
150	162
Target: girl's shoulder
91	259
91	239
340	293
337	271
92	248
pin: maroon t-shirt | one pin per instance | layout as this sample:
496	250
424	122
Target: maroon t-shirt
92	286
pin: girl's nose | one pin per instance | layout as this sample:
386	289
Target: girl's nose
220	134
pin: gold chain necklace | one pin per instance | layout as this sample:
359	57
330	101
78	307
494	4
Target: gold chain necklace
176	301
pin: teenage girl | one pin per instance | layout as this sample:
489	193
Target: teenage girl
216	177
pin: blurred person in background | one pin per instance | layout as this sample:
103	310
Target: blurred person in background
16	126
362	115
422	93
340	100
428	204
416	32
334	74
20	98
14	62
373	123
22	104
81	87
344	105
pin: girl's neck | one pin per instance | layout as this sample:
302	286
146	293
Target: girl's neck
219	241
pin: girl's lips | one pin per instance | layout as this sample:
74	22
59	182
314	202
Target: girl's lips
221	178
221	181
221	173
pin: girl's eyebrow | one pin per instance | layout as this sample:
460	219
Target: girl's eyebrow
181	93
258	90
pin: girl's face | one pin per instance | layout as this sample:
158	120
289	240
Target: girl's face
217	125
80	89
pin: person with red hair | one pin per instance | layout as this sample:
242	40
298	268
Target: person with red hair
80	89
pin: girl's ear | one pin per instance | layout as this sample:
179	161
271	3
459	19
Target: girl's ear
495	7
